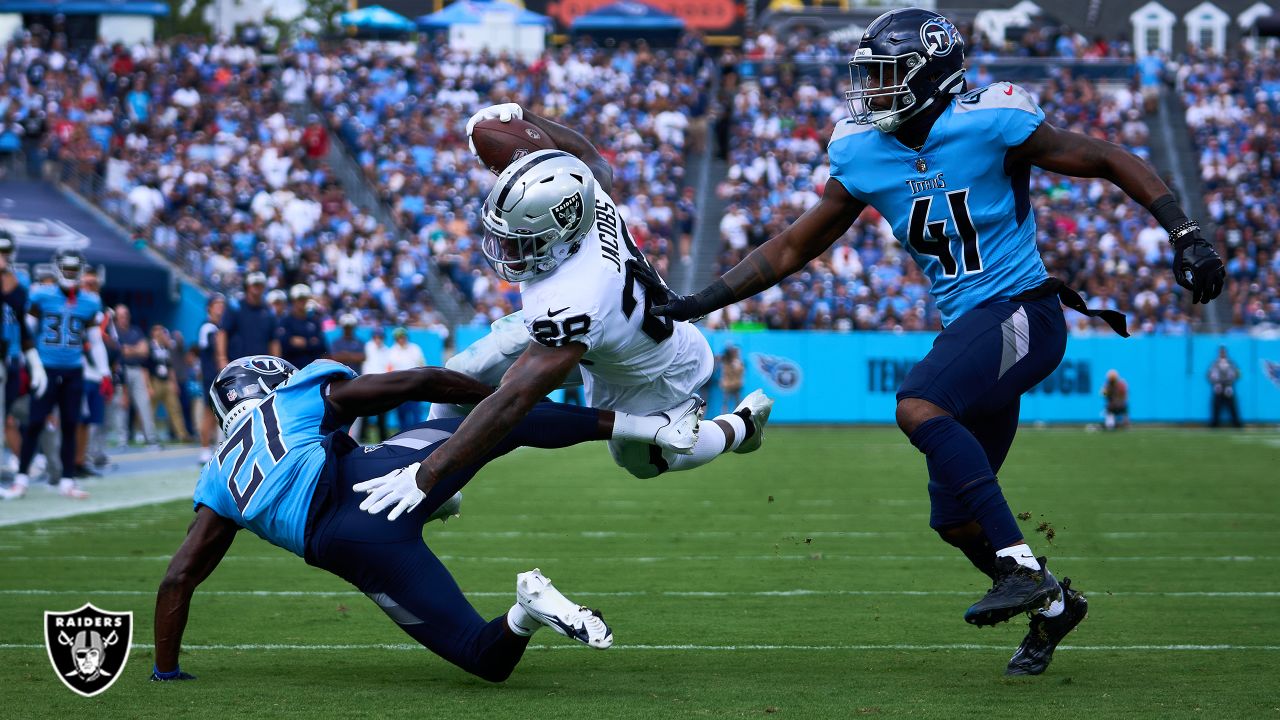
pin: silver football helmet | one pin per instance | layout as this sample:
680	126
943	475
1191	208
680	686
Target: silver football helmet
537	214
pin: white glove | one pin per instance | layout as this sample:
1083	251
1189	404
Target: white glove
398	487
35	368
503	112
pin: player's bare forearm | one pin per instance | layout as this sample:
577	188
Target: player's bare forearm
576	144
375	394
1078	155
807	238
207	542
534	374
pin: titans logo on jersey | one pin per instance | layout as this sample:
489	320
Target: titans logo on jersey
264	474
952	205
64	323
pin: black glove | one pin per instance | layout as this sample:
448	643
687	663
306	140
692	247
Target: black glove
665	302
1197	267
157	676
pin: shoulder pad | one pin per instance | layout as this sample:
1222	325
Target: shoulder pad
1001	95
847	127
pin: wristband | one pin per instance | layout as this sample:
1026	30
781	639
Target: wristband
714	296
1166	212
155	670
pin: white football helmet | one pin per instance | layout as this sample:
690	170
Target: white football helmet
537	214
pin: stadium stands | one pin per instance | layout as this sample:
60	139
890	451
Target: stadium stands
1231	109
404	117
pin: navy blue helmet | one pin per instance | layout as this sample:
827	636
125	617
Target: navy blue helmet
244	383
908	60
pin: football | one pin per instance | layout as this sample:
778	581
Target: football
501	143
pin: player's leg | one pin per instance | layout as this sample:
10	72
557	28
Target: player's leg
70	409
949	517
978	366
39	409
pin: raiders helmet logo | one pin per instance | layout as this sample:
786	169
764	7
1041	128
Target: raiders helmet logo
939	37
88	647
568	213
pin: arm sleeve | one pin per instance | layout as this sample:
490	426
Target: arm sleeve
97	350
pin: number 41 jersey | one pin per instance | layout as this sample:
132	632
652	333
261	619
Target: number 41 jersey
967	222
635	362
264	474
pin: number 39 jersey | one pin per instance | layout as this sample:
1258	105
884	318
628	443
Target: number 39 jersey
592	298
967	222
65	320
264	474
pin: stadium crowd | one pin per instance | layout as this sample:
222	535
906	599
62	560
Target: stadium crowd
1231	110
213	159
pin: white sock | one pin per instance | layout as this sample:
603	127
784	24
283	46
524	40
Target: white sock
1022	553
711	444
521	622
1055	608
739	429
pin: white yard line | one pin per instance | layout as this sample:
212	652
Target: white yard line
712	648
666	593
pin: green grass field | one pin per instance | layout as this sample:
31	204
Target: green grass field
802	581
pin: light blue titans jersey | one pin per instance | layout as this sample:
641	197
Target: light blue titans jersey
263	476
11	332
966	222
64	324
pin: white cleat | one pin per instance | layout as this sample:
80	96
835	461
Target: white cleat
451	508
17	490
680	433
544	603
760	406
69	488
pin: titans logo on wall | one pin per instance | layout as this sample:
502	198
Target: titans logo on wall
783	373
1272	371
88	647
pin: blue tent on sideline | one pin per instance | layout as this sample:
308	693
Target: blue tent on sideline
376	18
474	12
627	16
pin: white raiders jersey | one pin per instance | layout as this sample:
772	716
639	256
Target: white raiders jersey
591	298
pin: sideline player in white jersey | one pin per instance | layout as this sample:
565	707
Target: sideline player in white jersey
551	226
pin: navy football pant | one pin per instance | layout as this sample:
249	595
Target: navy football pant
977	371
389	561
66	392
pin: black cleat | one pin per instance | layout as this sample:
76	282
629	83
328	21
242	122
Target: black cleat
1036	651
84	471
1017	589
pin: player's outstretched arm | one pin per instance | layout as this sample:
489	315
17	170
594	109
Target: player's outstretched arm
805	239
576	144
534	374
208	539
1196	265
375	394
